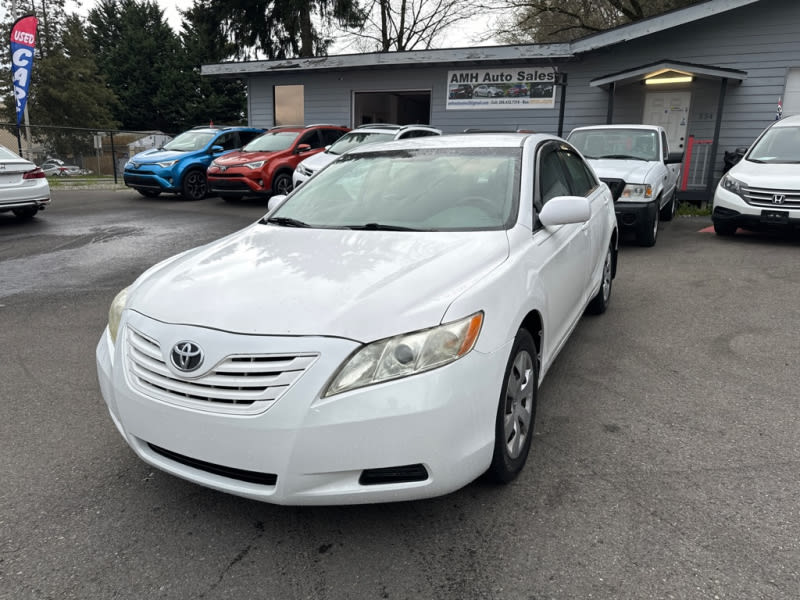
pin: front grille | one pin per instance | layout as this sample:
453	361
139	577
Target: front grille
615	185
241	384
220	183
229	472
788	199
135	178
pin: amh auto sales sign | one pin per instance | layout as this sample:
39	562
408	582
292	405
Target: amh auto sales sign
501	88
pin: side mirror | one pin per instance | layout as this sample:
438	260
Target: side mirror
674	158
275	202
563	210
217	149
303	148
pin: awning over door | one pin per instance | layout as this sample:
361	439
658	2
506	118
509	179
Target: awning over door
666	69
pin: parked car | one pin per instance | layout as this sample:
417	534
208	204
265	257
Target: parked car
762	191
518	90
379	336
23	186
265	165
179	167
636	163
487	91
51	166
460	92
365	134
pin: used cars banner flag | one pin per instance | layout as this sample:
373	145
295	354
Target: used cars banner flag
23	41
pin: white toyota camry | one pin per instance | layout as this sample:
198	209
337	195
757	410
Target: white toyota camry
379	336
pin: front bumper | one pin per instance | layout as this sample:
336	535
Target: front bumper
301	448
730	208
151	178
238	184
635	215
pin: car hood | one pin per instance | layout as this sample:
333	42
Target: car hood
155	155
233	159
630	171
776	176
360	285
322	159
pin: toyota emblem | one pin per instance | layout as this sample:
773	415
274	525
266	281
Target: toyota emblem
186	356
778	198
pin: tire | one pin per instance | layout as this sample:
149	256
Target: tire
149	193
599	304
195	185
724	229
26	212
669	209
281	183
649	232
516	411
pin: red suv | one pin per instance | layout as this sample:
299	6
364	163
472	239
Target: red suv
265	165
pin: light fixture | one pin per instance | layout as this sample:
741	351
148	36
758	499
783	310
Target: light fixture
676	79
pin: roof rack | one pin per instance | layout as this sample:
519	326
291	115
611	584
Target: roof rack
380	126
324	125
477	130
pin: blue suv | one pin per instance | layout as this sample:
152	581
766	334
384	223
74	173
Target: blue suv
180	166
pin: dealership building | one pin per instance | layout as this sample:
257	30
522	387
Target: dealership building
713	75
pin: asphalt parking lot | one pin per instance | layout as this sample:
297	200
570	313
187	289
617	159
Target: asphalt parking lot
666	460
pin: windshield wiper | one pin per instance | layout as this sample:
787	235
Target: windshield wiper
623	157
285	222
380	227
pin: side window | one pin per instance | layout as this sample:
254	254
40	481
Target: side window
312	138
228	141
552	179
581	180
245	137
408	135
331	135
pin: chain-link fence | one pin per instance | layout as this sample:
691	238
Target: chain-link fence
74	151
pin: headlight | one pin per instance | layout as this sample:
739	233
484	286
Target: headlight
408	354
115	313
166	165
255	165
635	192
732	185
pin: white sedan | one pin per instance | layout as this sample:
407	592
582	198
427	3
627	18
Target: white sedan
23	186
371	339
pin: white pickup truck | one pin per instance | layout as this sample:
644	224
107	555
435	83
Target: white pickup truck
635	162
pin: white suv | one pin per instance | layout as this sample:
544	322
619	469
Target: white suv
365	134
762	191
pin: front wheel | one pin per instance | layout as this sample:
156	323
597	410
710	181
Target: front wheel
670	208
281	184
649	232
516	411
195	185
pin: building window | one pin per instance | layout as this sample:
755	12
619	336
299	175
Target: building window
289	105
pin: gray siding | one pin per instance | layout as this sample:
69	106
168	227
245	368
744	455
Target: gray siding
759	38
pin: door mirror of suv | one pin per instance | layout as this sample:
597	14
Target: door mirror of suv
302	148
275	202
217	149
563	210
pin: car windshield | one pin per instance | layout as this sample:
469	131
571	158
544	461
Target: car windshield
442	189
357	138
189	141
635	144
777	145
273	141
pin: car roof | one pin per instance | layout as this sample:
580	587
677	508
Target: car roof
790	121
470	140
619	126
